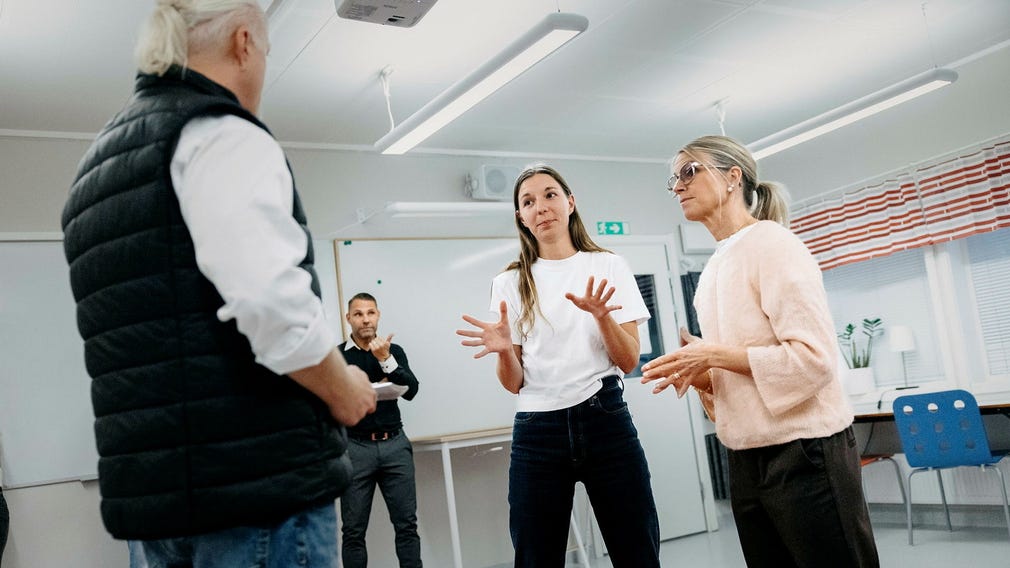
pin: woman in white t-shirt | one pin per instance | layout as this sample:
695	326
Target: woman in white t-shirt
567	332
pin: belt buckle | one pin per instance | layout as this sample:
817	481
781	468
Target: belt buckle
379	436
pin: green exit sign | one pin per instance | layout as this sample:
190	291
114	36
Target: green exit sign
611	228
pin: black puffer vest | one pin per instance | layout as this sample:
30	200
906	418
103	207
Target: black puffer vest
194	436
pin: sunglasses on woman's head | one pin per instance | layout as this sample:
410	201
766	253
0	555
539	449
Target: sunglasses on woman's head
687	173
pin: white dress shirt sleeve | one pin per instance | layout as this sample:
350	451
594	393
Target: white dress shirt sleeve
389	365
236	196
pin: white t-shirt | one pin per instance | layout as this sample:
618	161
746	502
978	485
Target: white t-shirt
564	357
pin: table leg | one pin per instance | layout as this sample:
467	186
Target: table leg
583	559
450	497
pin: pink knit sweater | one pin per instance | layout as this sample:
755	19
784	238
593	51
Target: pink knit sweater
764	291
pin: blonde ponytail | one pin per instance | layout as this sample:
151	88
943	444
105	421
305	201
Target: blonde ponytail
177	27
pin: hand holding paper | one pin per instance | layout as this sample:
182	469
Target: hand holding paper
388	391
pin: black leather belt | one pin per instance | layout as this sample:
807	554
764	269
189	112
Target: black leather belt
373	436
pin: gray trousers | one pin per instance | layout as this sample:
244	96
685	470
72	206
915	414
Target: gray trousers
390	465
800	504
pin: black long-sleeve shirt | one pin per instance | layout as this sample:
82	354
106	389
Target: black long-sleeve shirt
386	417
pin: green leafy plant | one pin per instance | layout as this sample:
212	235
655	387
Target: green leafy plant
855	357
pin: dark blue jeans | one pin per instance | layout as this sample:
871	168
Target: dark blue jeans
390	465
594	442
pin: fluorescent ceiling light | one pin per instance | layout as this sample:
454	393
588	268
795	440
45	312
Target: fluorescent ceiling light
551	33
851	112
447	209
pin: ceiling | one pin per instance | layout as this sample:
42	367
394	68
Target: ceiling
641	80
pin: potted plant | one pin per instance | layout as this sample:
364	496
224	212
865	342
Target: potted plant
859	379
854	357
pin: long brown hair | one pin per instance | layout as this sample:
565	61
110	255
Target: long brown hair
529	250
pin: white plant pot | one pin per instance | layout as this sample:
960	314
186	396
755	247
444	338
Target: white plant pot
858	381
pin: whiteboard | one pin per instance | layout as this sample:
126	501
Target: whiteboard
46	420
423	287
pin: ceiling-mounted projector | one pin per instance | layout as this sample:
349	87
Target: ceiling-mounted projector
400	13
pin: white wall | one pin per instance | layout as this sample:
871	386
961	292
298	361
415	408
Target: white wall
58	525
35	176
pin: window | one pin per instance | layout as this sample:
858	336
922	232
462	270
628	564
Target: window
896	289
989	270
652	340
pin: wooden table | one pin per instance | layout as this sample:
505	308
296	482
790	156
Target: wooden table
877	434
984	409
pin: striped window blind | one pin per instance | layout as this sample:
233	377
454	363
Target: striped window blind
932	204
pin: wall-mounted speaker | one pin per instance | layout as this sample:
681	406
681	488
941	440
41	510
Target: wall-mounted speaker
491	183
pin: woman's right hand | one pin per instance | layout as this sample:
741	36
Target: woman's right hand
686	367
494	337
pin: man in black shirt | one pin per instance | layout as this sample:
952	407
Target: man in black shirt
380	451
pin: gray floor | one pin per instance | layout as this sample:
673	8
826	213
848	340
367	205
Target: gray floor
934	546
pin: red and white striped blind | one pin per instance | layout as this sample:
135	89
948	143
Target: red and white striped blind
928	205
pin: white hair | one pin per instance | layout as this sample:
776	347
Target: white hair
177	28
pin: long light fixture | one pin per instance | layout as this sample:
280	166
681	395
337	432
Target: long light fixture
540	41
447	209
851	112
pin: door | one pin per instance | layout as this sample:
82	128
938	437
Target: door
663	420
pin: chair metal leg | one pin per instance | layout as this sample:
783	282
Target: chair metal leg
1002	487
908	506
943	497
897	472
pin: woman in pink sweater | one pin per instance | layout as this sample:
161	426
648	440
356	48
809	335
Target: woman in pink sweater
766	369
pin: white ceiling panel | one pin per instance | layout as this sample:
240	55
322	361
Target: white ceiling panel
643	79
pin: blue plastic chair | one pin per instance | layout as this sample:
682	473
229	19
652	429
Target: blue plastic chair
944	430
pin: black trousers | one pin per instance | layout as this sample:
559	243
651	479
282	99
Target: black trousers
801	504
390	465
5	521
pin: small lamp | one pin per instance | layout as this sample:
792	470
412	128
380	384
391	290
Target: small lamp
901	340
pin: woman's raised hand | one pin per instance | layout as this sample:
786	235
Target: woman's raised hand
595	301
494	337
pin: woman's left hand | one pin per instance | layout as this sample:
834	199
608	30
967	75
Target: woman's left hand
684	368
595	301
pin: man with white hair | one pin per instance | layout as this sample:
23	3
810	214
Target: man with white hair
219	399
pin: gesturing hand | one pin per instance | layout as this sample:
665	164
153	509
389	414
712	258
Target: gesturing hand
380	347
595	302
494	337
684	368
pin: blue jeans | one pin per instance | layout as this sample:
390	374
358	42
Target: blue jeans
594	442
137	557
390	464
307	539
